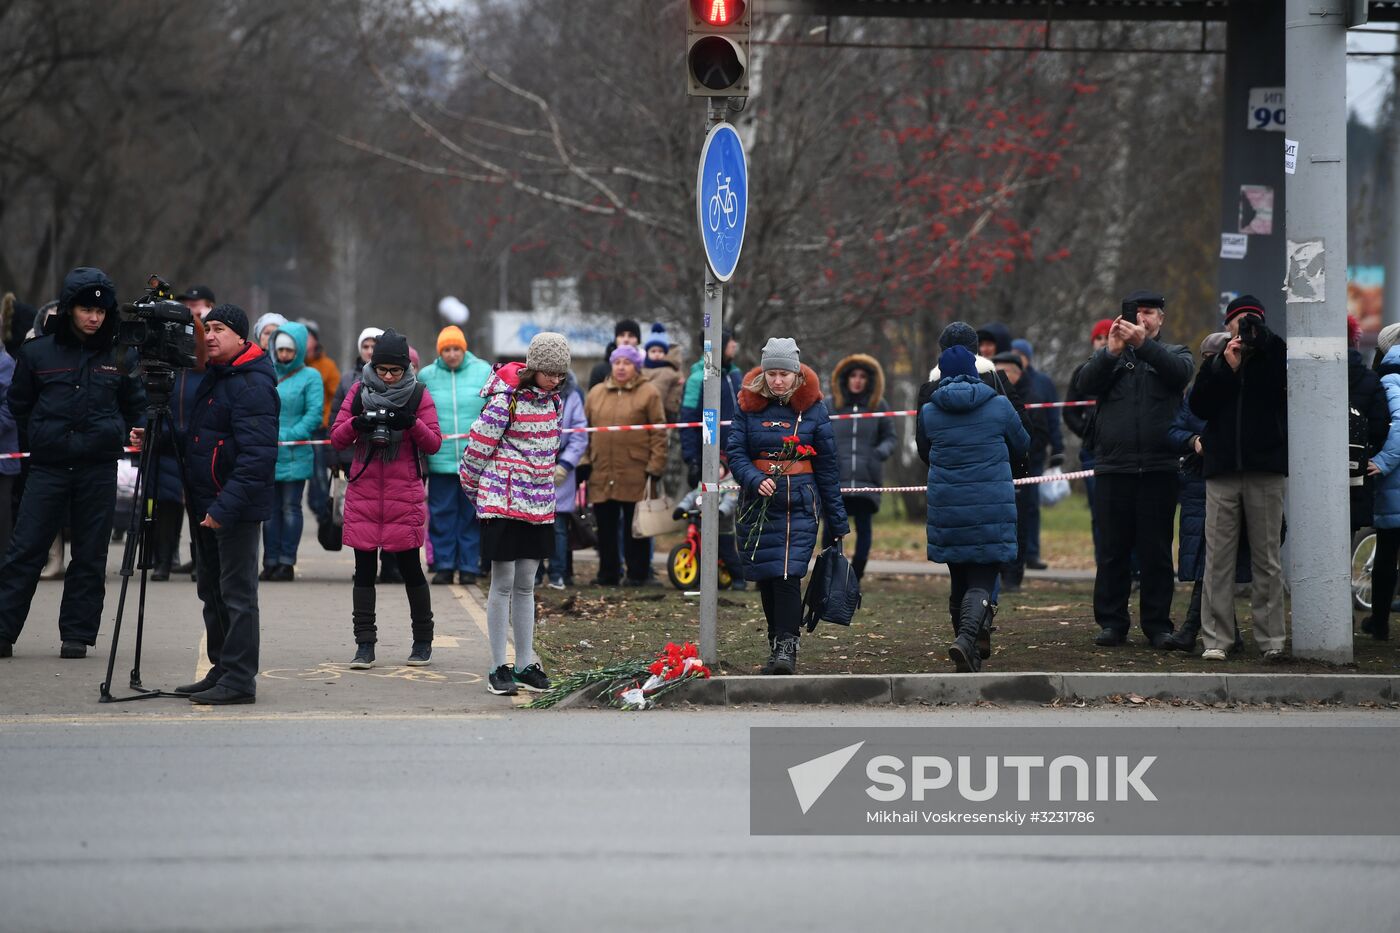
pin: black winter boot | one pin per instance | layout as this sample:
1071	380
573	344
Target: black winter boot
362	615
785	655
420	611
1184	638
767	668
976	612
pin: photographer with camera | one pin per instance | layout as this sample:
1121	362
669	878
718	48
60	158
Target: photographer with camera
230	468
76	399
1242	395
390	421
1138	381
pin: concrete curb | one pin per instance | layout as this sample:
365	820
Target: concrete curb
1027	687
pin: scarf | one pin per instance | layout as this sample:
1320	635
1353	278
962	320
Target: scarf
376	394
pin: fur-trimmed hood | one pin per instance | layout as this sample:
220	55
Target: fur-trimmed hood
876	392
807	394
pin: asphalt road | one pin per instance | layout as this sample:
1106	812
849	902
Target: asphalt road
587	821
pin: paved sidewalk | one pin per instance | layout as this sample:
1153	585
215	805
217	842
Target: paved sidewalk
307	642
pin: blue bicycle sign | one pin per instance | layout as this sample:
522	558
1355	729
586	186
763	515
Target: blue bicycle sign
722	199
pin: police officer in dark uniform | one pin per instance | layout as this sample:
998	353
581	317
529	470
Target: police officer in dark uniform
77	399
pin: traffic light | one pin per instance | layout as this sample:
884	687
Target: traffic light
717	48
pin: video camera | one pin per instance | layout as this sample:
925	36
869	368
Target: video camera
160	328
1252	330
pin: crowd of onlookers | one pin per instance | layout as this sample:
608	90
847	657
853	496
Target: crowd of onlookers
404	451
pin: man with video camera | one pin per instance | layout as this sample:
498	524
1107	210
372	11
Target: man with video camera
230	469
76	398
1138	380
1242	395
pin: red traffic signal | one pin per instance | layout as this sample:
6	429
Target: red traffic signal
718	12
717	48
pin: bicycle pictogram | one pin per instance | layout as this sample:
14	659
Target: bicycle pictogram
728	204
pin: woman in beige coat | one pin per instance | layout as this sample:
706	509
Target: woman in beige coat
621	462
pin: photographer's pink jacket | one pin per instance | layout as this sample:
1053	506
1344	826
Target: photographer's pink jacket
385	505
508	465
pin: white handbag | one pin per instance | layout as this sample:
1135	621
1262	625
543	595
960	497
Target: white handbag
653	515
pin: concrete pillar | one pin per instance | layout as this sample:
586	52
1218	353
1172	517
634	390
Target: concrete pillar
1253	59
1315	291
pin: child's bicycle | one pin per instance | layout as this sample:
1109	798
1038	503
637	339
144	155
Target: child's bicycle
683	563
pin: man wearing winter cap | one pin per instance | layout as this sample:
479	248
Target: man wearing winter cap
1138	380
455	380
199	299
1242	395
230	473
77	401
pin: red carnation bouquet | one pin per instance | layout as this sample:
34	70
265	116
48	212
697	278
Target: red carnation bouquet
755	516
633	684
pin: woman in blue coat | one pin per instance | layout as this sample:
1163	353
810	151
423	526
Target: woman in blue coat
302	394
783	455
1385	466
972	432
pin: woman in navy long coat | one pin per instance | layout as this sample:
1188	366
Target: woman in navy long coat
783	454
972	432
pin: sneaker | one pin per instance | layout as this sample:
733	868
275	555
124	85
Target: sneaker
364	658
1213	654
533	678
556	584
72	650
501	681
442	577
466	579
1275	654
421	655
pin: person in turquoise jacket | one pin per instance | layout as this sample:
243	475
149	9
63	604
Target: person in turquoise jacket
299	387
455	380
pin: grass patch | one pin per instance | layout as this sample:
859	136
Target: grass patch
902	627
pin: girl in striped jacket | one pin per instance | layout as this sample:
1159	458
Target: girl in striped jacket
507	468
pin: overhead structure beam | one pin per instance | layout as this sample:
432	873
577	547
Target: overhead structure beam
1158	11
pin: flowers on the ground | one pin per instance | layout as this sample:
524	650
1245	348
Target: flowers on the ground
632	684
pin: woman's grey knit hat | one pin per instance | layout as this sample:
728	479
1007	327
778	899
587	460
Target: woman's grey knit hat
781	353
548	353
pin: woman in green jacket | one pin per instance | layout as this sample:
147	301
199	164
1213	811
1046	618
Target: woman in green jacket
455	380
300	393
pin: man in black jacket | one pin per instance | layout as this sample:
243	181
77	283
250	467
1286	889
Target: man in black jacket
1138	381
1242	395
76	399
229	472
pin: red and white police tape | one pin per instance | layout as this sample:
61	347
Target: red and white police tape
908	412
1026	481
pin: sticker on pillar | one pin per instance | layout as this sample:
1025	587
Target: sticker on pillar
1234	245
1256	210
1290	156
711	429
1306	282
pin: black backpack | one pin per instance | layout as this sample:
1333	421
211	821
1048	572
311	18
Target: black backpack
833	593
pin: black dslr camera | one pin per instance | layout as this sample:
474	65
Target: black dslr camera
160	328
1252	330
379	432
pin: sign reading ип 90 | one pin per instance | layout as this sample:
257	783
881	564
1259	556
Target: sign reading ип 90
722	199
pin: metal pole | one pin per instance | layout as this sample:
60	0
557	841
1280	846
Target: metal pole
1390	177
713	351
1315	286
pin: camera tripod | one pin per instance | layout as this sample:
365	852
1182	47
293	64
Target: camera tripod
159	382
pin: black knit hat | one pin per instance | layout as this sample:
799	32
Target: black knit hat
231	316
958	334
391	349
628	326
1245	304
